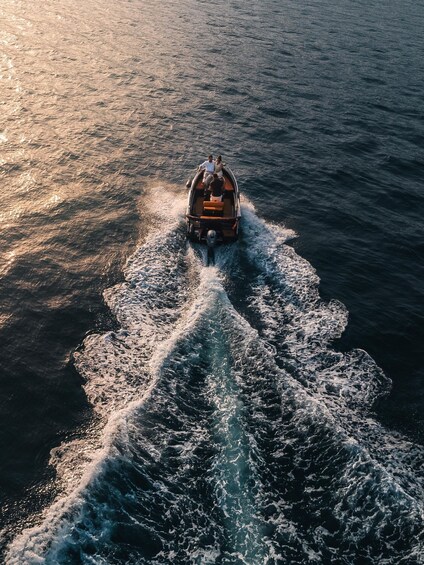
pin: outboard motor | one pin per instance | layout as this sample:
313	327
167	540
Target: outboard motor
211	242
211	238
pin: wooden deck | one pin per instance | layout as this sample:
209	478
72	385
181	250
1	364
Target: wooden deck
228	199
228	210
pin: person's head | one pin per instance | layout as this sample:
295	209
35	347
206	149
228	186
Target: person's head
219	159
210	158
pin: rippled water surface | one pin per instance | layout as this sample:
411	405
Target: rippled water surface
264	410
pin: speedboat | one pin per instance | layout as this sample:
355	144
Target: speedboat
204	217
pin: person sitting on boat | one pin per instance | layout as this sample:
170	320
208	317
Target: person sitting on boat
209	168
216	188
219	166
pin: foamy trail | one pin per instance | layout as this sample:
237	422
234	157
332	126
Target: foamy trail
234	432
120	367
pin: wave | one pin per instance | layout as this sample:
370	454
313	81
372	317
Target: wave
232	431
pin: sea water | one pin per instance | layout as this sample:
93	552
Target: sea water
263	410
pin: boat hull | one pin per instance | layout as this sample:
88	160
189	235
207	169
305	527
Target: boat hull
203	215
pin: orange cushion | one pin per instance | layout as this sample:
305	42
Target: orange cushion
217	218
208	205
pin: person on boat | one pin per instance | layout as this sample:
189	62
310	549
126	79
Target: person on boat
219	166
216	188
209	168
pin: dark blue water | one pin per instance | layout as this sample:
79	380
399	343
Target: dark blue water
268	409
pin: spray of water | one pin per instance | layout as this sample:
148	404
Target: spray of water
233	431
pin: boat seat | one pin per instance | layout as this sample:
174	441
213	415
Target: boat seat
210	205
213	208
213	203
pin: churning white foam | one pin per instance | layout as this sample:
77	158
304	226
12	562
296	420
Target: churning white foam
282	400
